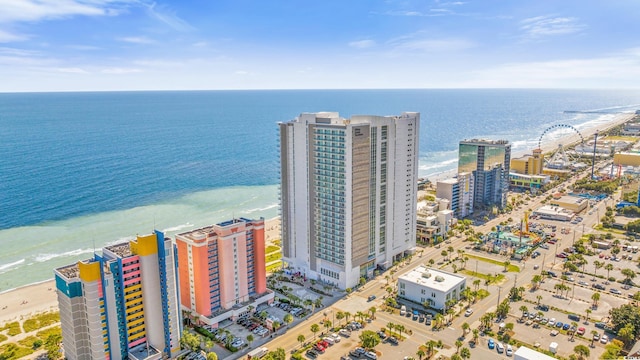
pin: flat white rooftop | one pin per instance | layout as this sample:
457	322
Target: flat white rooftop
524	353
433	278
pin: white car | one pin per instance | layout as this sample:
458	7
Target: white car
551	322
604	339
468	312
336	337
499	348
509	350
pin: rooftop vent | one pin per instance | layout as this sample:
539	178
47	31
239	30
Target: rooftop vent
439	279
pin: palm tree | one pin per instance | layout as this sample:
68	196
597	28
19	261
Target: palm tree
608	267
301	339
535	281
524	309
539	297
595	297
327	324
596	265
476	335
506	265
458	344
420	353
438	319
593	333
347	315
372	311
588	311
431	344
391	326
314	329
476	283
465	328
582	352
465	353
400	329
339	315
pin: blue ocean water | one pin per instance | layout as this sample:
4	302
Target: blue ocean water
81	170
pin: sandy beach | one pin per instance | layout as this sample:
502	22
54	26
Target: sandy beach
41	297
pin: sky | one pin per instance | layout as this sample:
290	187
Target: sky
106	45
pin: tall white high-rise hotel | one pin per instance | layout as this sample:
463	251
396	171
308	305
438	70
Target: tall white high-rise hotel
348	193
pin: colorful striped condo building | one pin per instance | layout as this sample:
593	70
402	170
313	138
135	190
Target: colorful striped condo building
222	270
122	304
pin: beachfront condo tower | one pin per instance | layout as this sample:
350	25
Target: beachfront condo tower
348	194
488	161
222	270
122	304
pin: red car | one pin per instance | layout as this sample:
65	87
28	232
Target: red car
319	348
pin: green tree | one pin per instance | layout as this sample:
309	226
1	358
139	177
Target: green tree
465	353
339	316
608	267
420	353
582	352
250	339
212	356
277	354
52	346
524	309
465	329
506	265
458	344
314	329
595	297
628	275
369	339
288	319
301	339
627	334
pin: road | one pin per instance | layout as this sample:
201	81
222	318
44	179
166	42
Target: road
357	301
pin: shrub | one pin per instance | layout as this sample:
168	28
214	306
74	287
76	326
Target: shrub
13	327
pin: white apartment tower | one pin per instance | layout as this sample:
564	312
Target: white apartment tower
348	193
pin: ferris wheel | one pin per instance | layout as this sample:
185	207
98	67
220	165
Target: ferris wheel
560	159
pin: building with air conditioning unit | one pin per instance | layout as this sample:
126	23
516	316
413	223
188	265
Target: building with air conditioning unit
431	287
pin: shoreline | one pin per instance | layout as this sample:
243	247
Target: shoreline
552	145
41	296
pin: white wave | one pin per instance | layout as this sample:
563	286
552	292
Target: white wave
439	164
177	228
47	257
268	207
5	267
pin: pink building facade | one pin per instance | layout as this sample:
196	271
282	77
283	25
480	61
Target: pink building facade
222	269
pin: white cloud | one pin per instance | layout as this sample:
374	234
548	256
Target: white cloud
120	71
431	45
6	37
167	16
137	40
548	25
36	10
362	44
617	70
241	72
72	70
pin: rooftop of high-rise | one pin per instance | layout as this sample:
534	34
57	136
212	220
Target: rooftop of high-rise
484	142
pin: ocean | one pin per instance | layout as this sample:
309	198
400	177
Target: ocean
82	170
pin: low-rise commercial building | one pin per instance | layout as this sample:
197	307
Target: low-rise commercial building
554	213
431	287
528	182
572	203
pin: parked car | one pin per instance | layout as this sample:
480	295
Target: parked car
509	351
604	339
371	355
371	298
491	344
499	348
615	291
581	331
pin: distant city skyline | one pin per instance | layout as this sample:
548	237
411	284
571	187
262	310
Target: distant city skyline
96	45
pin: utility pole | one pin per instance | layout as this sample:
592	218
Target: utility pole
593	162
499	291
